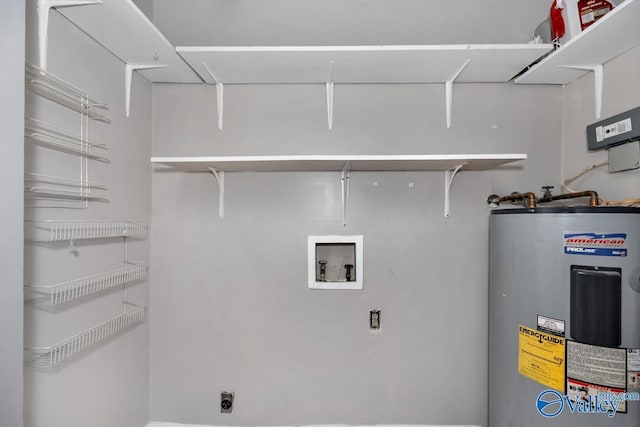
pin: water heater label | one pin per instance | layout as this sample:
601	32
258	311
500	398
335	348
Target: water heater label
541	357
633	359
600	244
594	369
633	367
551	325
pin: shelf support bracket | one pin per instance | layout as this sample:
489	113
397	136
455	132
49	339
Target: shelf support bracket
219	94
449	175
344	179
43	8
128	80
329	89
448	88
219	175
598	76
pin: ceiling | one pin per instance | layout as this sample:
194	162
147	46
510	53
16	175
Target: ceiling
345	22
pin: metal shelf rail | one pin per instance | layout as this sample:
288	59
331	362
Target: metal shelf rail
53	295
38	186
49	357
63	230
57	90
46	135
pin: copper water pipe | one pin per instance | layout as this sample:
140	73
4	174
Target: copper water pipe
529	199
592	195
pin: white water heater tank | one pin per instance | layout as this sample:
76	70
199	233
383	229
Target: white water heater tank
564	306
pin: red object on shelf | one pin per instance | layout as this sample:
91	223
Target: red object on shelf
557	22
592	10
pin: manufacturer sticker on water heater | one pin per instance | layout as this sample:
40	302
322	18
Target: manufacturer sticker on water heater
589	243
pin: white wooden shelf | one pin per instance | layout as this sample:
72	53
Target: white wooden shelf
361	64
449	163
412	162
126	32
611	36
50	357
329	65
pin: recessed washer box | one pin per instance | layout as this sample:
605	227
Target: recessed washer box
335	262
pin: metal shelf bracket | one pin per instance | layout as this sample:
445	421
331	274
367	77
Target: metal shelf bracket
329	88
43	8
448	88
598	76
219	94
128	80
449	175
344	179
219	175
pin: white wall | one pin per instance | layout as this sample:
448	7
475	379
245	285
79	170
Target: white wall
107	385
353	22
146	6
12	24
231	308
621	93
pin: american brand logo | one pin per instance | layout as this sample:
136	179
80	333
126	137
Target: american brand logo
615	240
602	244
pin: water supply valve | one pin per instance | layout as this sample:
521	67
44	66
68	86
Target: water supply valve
323	270
348	267
547	191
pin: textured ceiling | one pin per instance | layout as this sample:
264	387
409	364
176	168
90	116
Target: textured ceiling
346	22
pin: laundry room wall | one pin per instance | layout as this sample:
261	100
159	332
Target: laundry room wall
107	384
621	93
231	307
11	217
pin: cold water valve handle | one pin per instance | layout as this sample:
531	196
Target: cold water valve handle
323	270
348	267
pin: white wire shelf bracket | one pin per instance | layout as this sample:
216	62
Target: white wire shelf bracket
69	230
50	296
57	90
49	357
46	135
38	186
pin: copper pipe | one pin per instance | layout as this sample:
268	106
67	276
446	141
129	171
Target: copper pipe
528	198
592	195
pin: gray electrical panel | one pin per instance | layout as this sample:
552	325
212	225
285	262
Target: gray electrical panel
615	130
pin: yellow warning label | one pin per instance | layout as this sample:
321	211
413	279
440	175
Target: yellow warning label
541	357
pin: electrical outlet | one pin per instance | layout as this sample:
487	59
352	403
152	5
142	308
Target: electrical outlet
226	402
374	320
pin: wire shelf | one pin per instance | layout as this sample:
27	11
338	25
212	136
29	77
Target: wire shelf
61	230
50	296
38	186
57	90
49	357
49	136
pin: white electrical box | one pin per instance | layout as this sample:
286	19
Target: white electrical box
335	262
